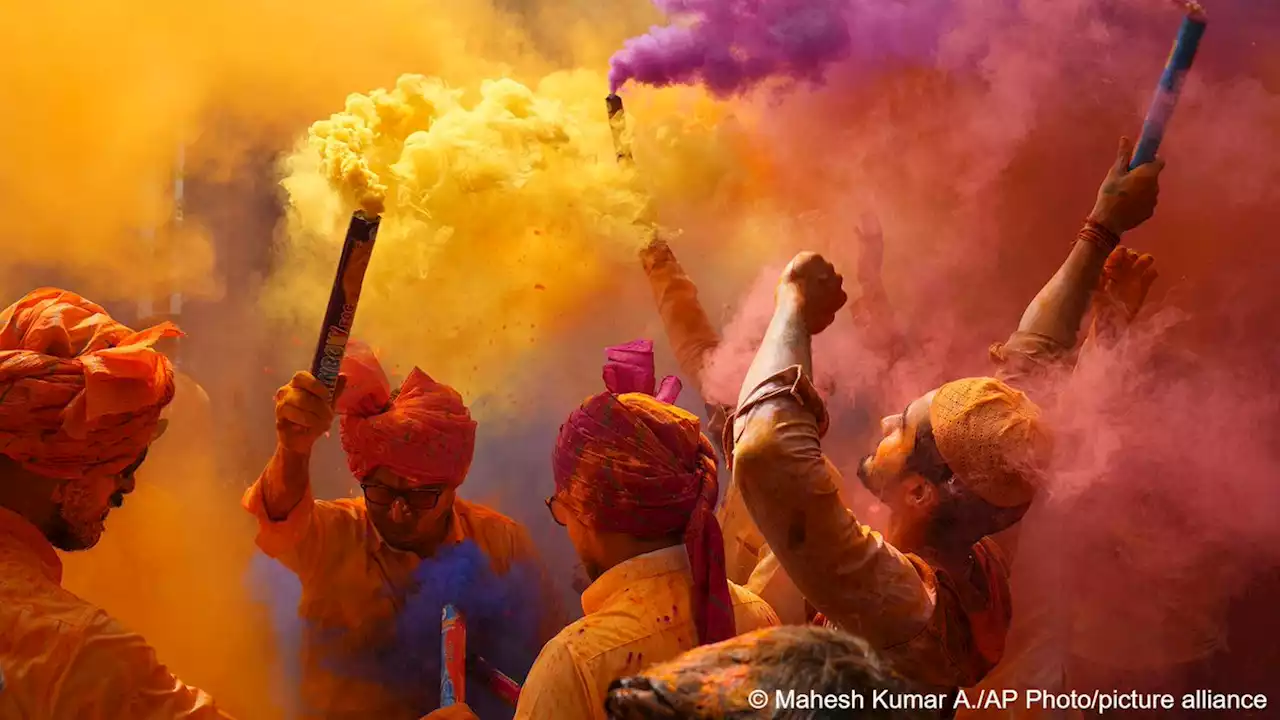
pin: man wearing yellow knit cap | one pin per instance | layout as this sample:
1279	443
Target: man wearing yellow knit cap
959	464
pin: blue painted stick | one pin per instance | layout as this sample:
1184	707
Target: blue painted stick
1175	71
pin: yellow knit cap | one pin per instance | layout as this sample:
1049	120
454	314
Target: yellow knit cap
991	436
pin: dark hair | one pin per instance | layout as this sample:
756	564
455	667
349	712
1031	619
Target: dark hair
802	658
961	515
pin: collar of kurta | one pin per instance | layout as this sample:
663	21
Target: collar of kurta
600	594
18	532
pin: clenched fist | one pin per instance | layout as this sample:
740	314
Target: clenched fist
303	412
814	283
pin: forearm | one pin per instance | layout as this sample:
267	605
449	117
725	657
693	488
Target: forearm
873	316
285	482
786	343
1060	306
688	328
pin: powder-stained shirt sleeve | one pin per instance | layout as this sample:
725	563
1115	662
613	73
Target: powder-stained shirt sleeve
115	674
1030	361
688	328
846	570
312	533
556	688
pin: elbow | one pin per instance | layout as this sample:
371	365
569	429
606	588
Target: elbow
757	455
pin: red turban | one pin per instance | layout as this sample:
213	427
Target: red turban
631	463
422	433
80	394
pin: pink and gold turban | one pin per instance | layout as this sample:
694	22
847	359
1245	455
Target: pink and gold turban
423	433
80	394
630	462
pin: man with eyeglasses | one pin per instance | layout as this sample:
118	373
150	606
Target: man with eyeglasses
357	558
636	489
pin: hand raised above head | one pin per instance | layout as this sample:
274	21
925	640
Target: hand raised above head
810	280
1127	198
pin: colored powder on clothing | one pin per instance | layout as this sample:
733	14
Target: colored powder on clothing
502	623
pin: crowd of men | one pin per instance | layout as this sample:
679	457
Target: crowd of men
694	602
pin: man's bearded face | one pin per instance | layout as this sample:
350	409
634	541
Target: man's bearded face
83	506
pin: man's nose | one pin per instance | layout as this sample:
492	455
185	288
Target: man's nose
399	510
128	484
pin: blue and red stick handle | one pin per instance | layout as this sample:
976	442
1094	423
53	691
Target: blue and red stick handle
343	299
453	656
1175	72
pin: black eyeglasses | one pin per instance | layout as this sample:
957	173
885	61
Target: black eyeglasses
418	499
551	508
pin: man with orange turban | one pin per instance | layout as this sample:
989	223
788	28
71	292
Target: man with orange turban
80	402
960	464
359	561
635	488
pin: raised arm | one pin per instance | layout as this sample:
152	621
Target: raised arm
845	570
303	414
871	311
1051	323
688	328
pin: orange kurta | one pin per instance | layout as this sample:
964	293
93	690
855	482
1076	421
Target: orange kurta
352	582
64	658
637	613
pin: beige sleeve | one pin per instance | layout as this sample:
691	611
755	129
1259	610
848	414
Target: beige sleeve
846	571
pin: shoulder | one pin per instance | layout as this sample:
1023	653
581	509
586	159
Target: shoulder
342	509
558	677
501	538
479	515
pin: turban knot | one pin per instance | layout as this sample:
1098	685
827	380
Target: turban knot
630	462
80	394
423	432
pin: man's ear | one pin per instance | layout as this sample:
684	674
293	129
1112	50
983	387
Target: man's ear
920	493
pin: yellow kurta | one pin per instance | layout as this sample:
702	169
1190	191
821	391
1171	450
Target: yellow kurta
63	658
637	614
352	582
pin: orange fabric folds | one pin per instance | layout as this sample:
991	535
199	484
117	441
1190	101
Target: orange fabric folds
423	432
80	394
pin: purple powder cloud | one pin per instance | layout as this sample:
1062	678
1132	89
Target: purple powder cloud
733	44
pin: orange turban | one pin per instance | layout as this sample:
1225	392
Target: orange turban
80	394
423	433
991	436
